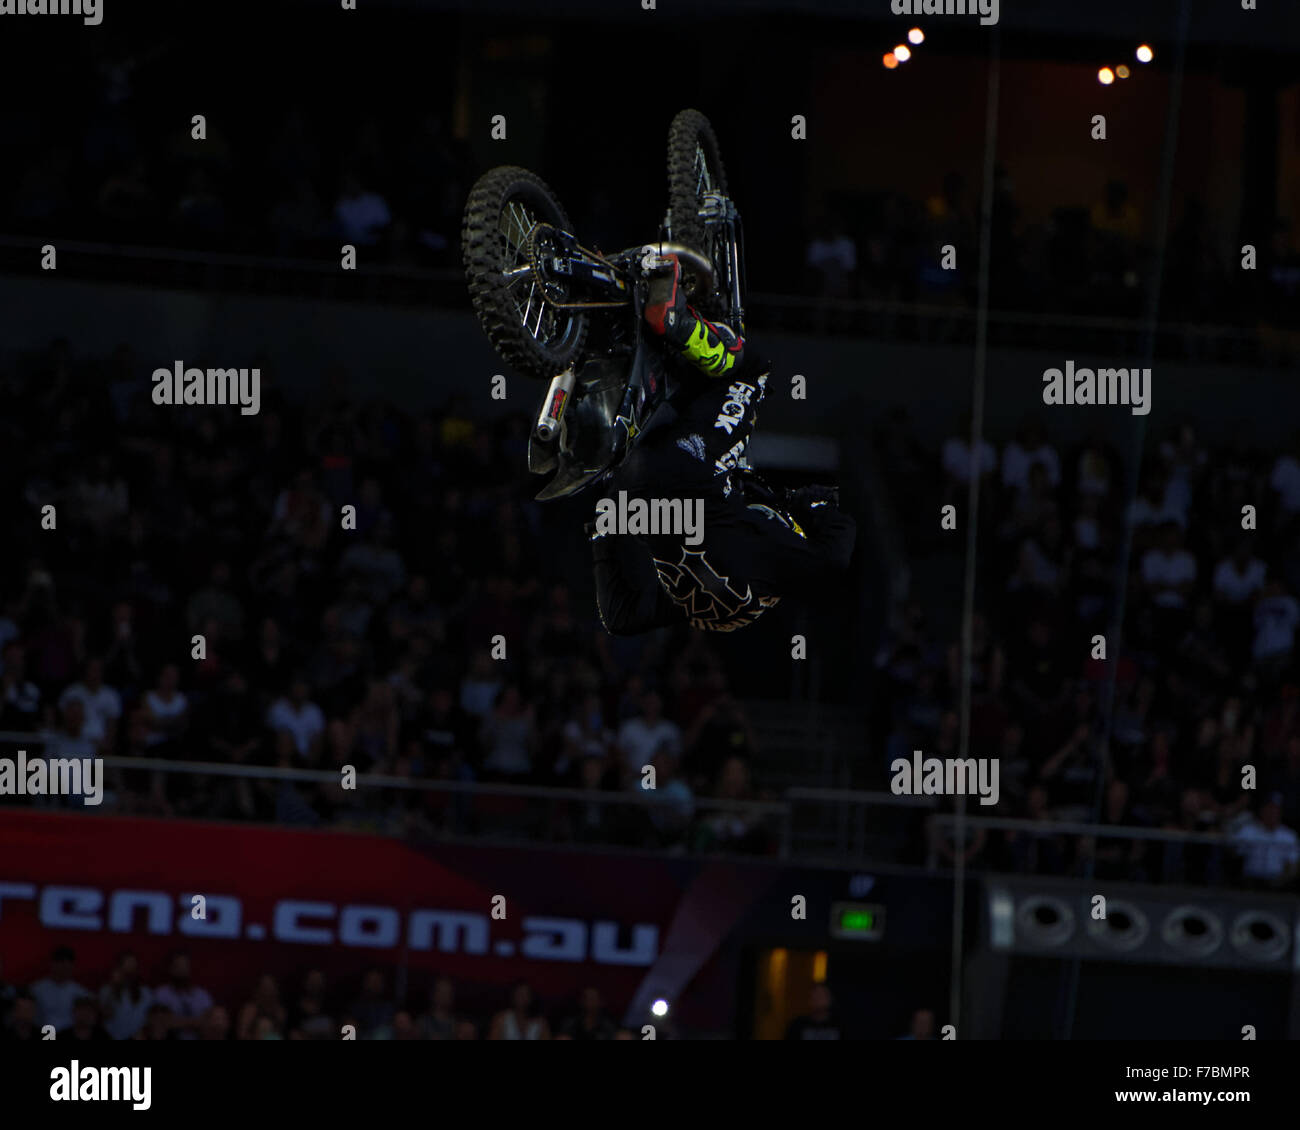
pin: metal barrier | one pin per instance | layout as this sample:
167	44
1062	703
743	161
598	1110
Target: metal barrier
829	826
419	287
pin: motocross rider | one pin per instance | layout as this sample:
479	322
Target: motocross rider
694	447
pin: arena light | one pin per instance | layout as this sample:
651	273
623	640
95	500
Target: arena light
916	37
1145	54
1122	71
1105	76
902	53
660	1007
890	60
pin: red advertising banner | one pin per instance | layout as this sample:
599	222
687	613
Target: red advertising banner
284	901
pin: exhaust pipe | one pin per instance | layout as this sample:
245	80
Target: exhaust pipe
557	399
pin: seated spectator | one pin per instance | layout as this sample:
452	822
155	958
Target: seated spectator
641	738
22	1024
372	1012
101	703
820	1021
439	1022
264	1005
590	1022
167	711
182	998
1269	849
85	1023
125	1000
157	1023
20	700
1029	449
215	1024
361	215
508	736
921	1026
301	718
732	829
56	994
521	1020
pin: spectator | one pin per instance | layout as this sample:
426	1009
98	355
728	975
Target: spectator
310	1019
361	215
372	1012
85	1022
216	602
1269	849
439	1022
590	1022
521	1020
101	703
184	1000
166	710
508	736
215	1024
157	1023
22	1025
20	700
640	739
1276	616
832	257
264	1005
124	1000
56	994
921	1026
820	1021
301	718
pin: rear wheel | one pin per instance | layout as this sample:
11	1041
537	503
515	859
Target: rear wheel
498	241
695	169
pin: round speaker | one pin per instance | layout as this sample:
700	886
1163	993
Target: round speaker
1260	936
1192	931
1044	920
1124	928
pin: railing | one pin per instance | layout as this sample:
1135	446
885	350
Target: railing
838	827
215	271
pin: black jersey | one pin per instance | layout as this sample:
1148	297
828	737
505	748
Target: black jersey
749	556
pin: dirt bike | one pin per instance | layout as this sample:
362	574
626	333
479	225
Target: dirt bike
559	311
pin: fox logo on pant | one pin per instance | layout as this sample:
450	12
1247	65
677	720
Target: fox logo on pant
709	598
102	1084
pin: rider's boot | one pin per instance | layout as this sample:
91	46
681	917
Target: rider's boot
711	347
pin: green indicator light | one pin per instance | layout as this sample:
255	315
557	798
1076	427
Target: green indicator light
857	920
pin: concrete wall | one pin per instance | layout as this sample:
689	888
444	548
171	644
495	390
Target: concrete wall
420	357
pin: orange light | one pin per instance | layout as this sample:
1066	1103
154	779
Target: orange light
890	61
1122	71
902	53
1105	76
916	37
1145	54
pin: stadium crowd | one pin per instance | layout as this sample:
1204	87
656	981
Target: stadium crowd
325	646
1202	731
128	1006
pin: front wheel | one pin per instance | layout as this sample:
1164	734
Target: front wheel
694	171
531	335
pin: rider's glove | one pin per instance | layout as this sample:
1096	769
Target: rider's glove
809	504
